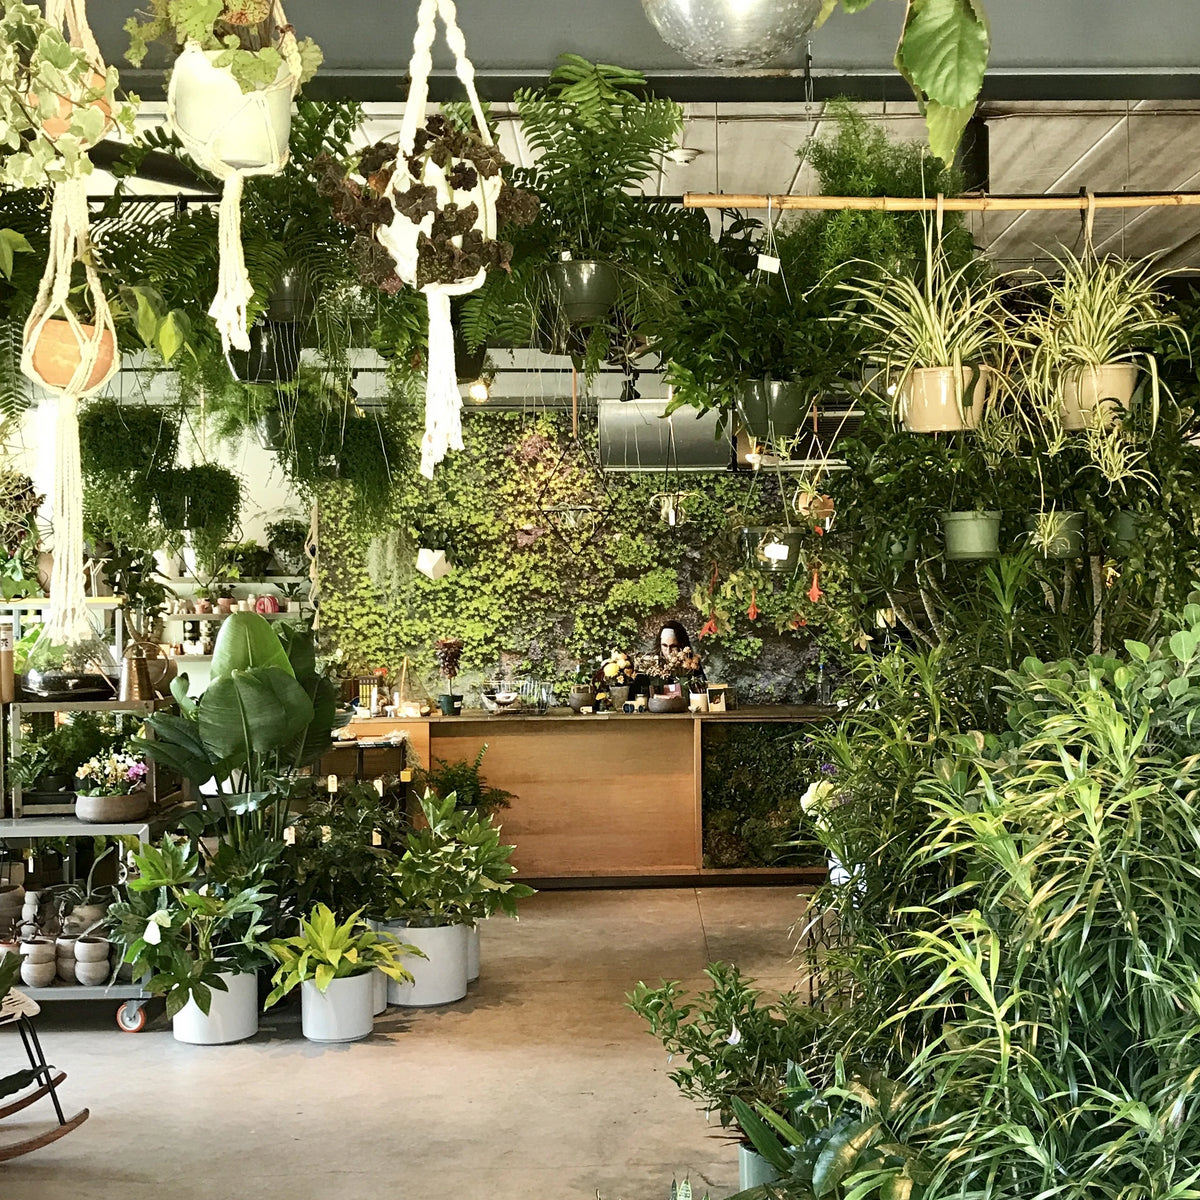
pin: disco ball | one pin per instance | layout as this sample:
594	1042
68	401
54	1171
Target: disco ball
731	34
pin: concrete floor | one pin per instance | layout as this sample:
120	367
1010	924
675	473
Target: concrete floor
539	1086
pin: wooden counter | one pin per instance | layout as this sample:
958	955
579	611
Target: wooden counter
607	794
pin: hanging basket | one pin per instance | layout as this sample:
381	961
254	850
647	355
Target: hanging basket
243	131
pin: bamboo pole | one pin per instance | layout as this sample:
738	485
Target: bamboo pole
948	204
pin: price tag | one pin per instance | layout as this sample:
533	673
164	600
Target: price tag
379	789
331	784
768	263
406	777
776	551
289	835
376	838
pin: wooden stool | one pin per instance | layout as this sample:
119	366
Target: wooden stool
18	1009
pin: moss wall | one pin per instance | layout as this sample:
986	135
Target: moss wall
525	598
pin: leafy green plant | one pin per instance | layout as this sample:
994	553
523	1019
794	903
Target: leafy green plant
734	1045
325	950
454	871
242	31
41	75
181	935
464	780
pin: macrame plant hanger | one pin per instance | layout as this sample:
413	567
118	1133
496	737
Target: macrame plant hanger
70	242
234	289
443	402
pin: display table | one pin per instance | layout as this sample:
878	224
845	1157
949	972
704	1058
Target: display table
601	795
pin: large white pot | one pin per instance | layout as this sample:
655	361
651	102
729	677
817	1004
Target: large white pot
379	993
1096	395
440	977
937	399
343	1013
219	122
232	1016
472	953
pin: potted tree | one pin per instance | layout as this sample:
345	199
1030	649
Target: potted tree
194	943
334	964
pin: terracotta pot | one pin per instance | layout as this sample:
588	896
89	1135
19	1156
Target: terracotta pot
56	354
113	809
55	127
1096	395
225	604
935	399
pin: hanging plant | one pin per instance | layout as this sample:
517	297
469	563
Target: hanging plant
56	100
229	102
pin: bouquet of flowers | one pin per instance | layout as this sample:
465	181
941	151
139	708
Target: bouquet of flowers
617	670
113	774
678	665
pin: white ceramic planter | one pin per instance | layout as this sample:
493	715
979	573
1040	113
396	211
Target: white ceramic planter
440	977
232	1017
245	130
472	953
343	1013
38	950
37	974
753	1169
379	993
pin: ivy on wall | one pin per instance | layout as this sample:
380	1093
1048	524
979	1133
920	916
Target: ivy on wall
526	594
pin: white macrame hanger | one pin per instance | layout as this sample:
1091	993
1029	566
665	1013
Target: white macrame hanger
443	401
234	289
70	242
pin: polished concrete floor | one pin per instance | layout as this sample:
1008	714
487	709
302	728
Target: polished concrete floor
539	1086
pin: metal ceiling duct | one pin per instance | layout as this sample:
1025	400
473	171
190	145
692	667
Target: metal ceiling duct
732	35
635	436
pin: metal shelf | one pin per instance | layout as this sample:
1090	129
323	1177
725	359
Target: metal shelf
80	991
135	706
278	616
70	826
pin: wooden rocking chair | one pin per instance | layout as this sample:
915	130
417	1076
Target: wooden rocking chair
18	1009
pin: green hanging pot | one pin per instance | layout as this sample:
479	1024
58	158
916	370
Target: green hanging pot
770	548
772	409
581	290
971	535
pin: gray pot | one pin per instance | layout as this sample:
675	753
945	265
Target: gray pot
971	535
771	409
753	1169
273	357
581	697
1127	529
581	290
291	299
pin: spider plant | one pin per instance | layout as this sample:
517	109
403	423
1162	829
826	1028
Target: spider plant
1098	314
944	317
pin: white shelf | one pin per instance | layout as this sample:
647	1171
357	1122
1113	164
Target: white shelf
70	826
218	616
139	706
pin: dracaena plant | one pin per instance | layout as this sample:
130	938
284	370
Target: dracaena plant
180	933
325	950
44	79
243	32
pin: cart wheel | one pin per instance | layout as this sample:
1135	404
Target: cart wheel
131	1017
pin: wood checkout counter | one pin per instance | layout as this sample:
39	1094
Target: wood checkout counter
602	795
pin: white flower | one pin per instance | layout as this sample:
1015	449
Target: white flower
160	920
735	1036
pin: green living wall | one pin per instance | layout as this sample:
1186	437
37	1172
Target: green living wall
527	598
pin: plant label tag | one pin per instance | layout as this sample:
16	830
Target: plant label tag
776	551
376	838
768	263
289	835
331	784
379	787
406	777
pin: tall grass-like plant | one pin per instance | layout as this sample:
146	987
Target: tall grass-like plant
1055	1050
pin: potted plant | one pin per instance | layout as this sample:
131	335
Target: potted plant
940	339
616	674
234	77
111	789
598	136
288	540
194	943
732	1045
1092	338
452	872
334	965
667	675
583	689
448	653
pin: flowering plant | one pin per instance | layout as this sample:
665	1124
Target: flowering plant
678	664
617	670
114	774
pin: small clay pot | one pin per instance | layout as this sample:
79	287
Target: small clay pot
38	950
91	974
225	604
37	974
56	354
64	968
12	899
105	810
55	127
92	950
